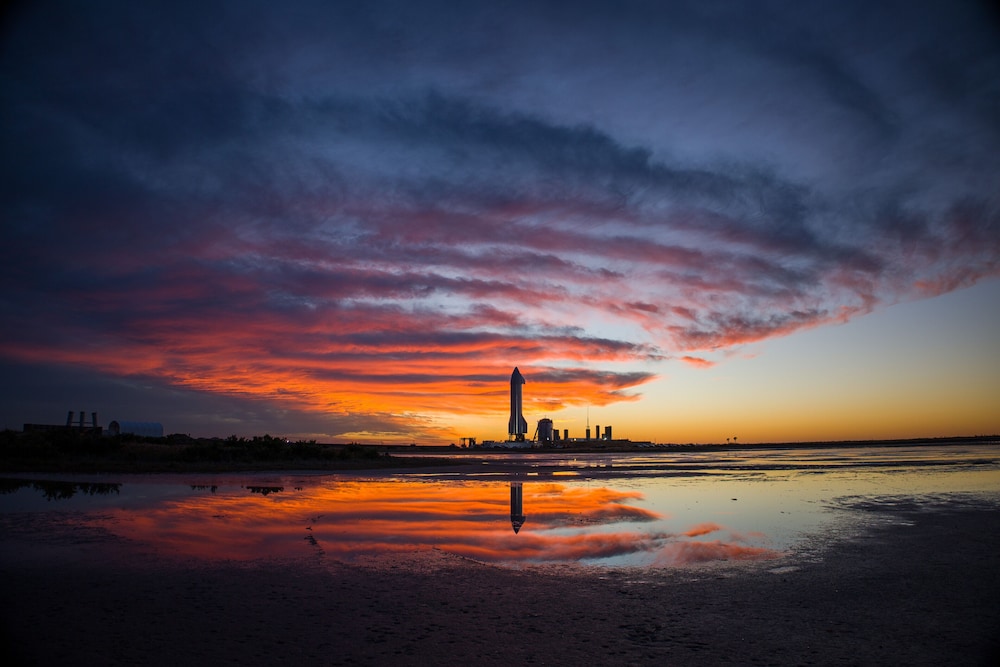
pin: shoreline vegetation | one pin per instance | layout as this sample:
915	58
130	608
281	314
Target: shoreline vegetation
72	450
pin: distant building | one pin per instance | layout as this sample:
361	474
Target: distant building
71	424
544	433
144	429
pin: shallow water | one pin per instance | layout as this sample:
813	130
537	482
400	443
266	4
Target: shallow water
656	508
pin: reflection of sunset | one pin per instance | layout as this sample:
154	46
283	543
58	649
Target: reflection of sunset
686	553
702	529
345	520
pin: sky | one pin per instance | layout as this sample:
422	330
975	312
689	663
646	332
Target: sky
691	221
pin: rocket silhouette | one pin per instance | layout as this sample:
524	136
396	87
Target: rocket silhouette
516	426
517	517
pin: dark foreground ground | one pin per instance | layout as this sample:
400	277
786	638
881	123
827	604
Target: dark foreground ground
920	585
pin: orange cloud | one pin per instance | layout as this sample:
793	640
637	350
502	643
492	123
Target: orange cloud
702	529
697	362
360	372
687	553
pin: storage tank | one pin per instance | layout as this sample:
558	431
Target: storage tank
545	430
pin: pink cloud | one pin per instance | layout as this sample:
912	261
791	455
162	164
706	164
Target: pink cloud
697	362
702	529
687	553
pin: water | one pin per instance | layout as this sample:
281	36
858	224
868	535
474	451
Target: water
647	509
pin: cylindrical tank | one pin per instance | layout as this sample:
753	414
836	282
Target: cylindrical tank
545	430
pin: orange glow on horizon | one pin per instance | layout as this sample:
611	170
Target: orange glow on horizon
450	386
402	388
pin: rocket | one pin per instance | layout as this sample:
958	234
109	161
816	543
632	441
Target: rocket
516	426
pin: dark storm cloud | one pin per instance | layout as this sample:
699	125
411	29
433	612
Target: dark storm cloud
420	181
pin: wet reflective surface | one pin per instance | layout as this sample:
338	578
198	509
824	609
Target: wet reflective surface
656	509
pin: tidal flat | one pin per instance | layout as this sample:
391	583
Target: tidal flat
880	556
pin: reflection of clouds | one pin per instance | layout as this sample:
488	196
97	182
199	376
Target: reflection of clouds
541	546
687	553
354	519
554	505
702	529
746	537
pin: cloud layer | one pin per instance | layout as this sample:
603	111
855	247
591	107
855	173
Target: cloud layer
374	213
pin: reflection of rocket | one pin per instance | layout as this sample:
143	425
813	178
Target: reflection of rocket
517	426
516	506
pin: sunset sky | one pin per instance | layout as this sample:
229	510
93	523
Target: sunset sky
351	220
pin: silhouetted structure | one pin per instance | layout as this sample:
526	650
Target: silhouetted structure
544	432
517	427
81	425
144	429
516	506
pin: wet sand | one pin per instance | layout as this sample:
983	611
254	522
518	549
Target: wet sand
901	582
